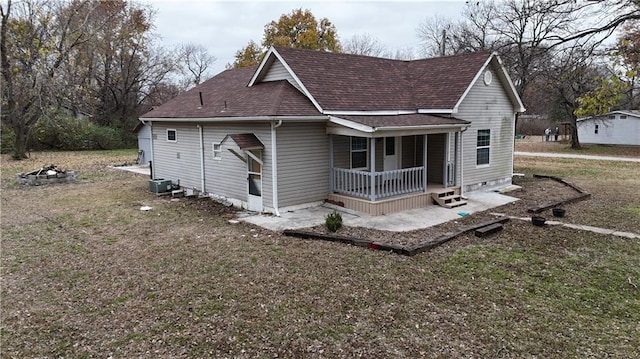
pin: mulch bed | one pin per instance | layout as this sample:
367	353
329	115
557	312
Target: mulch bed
535	192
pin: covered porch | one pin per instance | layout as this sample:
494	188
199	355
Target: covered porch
393	172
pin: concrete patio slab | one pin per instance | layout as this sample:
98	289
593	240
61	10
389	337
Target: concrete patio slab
397	222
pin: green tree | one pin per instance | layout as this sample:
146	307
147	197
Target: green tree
300	29
249	55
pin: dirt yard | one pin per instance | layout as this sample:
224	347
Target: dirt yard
86	273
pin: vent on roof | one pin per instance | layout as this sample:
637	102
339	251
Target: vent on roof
200	94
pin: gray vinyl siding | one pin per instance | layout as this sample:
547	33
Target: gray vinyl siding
180	160
488	107
277	72
227	177
303	163
341	151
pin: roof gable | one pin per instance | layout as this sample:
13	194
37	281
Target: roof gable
340	83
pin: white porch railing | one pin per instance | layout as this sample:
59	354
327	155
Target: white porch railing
357	183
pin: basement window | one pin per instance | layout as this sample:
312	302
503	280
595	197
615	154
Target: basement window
483	146
359	152
172	135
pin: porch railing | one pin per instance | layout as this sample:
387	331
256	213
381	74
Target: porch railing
357	183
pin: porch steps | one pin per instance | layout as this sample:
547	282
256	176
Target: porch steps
449	198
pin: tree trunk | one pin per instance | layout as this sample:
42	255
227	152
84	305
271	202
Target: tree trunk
575	141
22	137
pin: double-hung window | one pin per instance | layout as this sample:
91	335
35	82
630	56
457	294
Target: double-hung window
483	147
359	152
217	151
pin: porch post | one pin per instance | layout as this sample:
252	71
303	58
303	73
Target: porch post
424	162
331	174
372	167
456	149
445	179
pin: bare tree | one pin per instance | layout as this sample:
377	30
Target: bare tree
37	38
195	61
363	44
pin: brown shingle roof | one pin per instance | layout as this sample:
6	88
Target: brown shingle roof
338	82
416	119
246	140
361	83
227	95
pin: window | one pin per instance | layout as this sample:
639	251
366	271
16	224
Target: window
390	146
482	147
596	129
623	117
359	151
172	135
217	151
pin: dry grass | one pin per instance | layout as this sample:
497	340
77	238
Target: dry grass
85	273
536	144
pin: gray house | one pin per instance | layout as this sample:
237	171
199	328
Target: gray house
374	135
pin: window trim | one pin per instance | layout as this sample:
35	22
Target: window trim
483	147
595	129
175	135
217	154
351	151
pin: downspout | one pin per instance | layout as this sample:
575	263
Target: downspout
201	159
274	166
462	163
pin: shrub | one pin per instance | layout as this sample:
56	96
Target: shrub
333	221
7	139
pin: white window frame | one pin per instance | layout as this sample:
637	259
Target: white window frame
596	129
352	151
175	132
217	153
483	147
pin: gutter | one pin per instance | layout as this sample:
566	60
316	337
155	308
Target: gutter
235	119
274	166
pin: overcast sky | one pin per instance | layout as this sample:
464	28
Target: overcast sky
224	27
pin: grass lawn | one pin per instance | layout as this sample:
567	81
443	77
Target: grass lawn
537	144
85	274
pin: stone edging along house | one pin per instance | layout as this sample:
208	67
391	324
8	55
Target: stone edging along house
375	135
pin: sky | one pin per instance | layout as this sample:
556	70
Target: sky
223	27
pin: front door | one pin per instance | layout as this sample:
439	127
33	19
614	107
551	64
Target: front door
391	153
254	178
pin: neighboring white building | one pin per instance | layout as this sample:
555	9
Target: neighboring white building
614	128
143	131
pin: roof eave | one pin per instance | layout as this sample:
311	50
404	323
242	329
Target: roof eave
236	119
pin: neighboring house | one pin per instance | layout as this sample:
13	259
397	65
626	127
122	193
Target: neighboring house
143	131
614	128
376	135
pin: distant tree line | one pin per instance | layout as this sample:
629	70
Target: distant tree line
77	74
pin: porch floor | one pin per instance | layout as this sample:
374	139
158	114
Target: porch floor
408	220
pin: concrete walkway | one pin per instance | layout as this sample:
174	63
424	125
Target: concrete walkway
143	170
397	222
570	155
